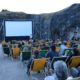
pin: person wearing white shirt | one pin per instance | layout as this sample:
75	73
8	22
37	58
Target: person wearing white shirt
60	71
62	48
53	77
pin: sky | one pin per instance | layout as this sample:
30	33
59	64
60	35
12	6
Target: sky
36	6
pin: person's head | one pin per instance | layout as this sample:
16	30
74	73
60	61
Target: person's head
74	72
75	51
78	70
36	54
61	70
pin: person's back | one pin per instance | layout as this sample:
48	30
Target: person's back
36	53
35	56
53	77
60	71
25	49
62	48
52	53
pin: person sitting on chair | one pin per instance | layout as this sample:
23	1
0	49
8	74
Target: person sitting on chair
75	37
63	46
74	72
52	53
35	56
60	71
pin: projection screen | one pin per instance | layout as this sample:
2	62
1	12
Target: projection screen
18	28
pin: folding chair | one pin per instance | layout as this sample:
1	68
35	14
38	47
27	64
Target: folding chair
26	56
57	59
20	45
15	52
4	45
68	51
37	65
42	53
6	50
3	42
74	61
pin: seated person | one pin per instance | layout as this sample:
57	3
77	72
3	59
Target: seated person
78	70
52	53
75	37
25	49
63	47
74	72
75	52
14	45
35	56
60	71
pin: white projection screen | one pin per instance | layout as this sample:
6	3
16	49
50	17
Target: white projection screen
18	28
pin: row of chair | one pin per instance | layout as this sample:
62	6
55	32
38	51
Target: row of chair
15	52
39	64
27	55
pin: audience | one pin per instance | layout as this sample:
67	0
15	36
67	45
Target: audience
60	67
60	71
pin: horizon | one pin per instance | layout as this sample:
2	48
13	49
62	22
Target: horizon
36	6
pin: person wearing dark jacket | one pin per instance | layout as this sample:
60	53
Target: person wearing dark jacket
52	53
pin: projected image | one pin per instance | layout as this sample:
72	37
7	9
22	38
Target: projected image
18	28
